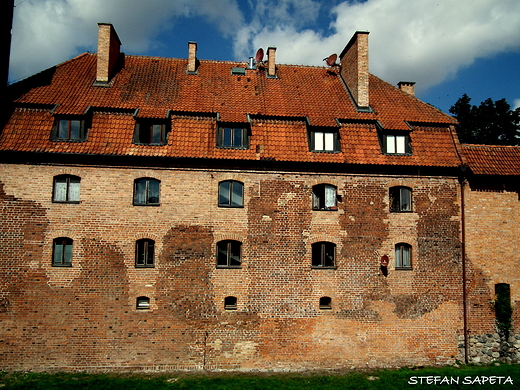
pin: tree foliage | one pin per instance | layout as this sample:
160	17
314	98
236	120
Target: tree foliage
491	123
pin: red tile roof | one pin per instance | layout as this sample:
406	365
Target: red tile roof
493	160
275	108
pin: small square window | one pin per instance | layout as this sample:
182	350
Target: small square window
148	132
66	189
324	197
230	303
146	192
229	254
400	199
62	252
143	303
230	194
403	256
325	303
233	137
323	255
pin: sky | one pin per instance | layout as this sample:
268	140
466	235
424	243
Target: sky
448	47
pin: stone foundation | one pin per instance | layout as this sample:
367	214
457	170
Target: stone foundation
491	347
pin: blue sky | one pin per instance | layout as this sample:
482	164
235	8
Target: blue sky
448	47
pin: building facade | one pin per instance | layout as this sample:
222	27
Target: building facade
169	214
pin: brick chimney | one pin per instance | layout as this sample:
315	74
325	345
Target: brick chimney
354	68
407	87
108	53
271	62
192	58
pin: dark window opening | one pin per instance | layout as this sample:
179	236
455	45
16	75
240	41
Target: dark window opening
230	194
323	254
143	303
151	133
146	192
324	197
325	303
503	308
403	256
233	137
324	141
66	189
62	252
144	253
229	254
230	303
400	199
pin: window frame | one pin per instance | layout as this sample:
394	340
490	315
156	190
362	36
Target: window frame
400	250
62	242
147	196
149	259
229	253
319	197
56	134
319	260
234	130
395	198
316	132
68	190
150	125
406	148
232	183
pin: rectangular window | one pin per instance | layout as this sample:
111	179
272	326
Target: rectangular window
66	189
229	254
233	138
324	197
400	199
322	141
62	252
396	144
148	132
403	256
69	129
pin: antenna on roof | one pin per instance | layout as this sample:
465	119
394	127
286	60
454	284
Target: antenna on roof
331	60
259	56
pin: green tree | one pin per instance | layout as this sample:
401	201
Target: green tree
491	123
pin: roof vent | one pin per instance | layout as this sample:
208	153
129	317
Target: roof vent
238	71
251	63
407	87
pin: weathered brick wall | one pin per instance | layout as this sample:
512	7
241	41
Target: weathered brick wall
85	316
492	250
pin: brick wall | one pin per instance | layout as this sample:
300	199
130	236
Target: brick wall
85	316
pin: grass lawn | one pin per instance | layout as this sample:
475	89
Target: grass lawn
465	377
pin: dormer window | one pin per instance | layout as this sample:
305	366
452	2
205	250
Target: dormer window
324	140
396	144
69	129
151	132
232	137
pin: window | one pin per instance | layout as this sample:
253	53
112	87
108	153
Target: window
230	194
230	303
233	138
324	197
62	252
142	303
146	192
403	256
324	141
144	253
229	254
148	132
400	199
69	129
323	254
66	189
325	303
396	144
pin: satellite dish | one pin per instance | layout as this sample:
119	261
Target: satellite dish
331	60
259	55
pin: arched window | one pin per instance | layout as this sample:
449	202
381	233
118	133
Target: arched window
400	199
142	303
403	256
144	253
66	189
230	194
325	303
229	254
146	191
324	197
62	252
230	303
323	254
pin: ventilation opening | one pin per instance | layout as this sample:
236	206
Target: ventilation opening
325	303
143	303
230	303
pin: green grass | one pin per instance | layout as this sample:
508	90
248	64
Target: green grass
359	380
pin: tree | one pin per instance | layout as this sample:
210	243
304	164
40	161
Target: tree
491	123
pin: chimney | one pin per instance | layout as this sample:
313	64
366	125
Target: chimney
407	87
354	68
271	62
108	53
192	58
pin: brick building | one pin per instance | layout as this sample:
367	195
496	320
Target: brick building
162	213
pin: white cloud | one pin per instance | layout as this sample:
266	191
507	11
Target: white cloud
47	32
